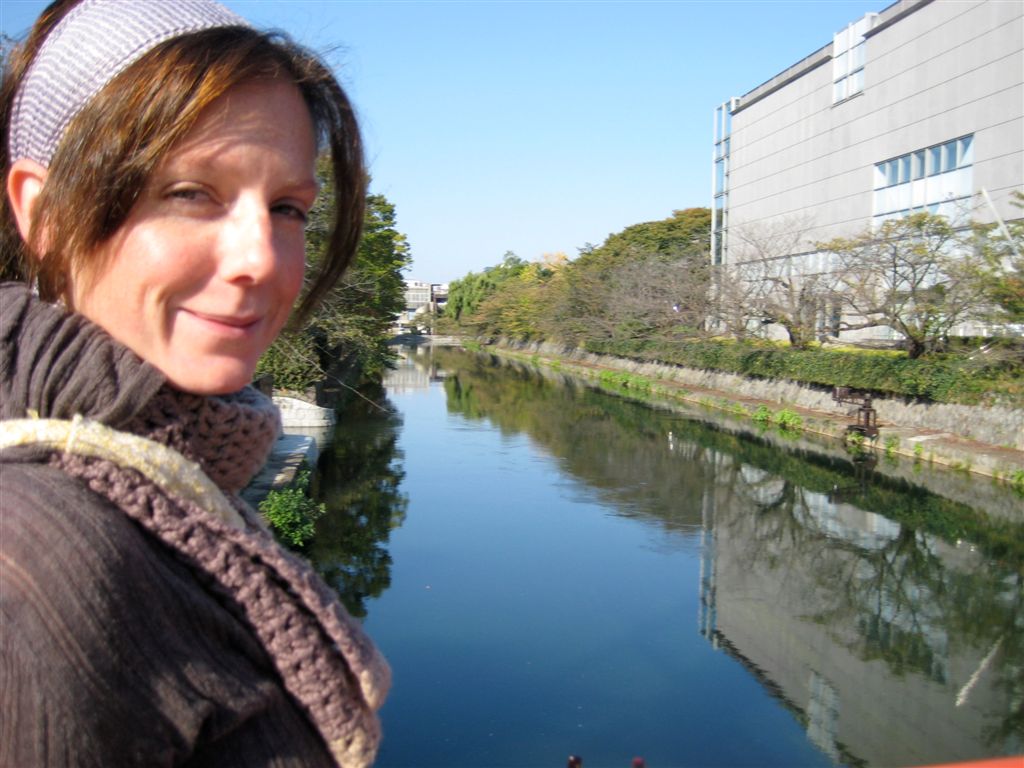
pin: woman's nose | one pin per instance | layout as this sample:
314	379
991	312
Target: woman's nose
248	252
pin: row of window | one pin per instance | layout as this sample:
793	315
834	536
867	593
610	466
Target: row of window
848	86
719	228
924	192
941	158
723	121
720	175
938	179
848	74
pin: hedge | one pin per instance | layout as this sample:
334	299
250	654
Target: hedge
938	378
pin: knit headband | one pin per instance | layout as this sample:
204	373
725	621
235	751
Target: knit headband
89	47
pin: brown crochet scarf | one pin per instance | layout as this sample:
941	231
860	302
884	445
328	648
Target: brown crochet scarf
325	661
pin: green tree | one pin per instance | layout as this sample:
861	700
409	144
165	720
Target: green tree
361	475
466	294
349	331
684	232
358	314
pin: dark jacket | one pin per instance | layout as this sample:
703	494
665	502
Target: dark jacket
113	651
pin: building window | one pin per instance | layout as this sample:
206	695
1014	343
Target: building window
720	181
849	54
937	179
917	160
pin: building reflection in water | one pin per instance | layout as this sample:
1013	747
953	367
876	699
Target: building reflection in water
414	370
890	645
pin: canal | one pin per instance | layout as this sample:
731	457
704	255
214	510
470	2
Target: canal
553	570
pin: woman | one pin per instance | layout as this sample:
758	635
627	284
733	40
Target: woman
159	163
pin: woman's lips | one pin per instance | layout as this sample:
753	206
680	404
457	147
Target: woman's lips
229	325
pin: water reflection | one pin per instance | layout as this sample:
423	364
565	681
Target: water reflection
886	619
360	476
907	647
894	615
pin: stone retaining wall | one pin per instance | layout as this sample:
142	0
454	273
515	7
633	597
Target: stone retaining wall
994	426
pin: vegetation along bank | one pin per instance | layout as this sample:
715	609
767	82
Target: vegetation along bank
646	311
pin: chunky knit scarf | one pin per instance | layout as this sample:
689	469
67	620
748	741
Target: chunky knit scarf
324	660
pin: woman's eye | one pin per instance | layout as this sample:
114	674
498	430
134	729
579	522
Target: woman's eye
188	193
291	211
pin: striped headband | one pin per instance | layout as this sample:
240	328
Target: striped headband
89	47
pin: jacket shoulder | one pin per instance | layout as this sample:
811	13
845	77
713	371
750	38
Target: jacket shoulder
112	652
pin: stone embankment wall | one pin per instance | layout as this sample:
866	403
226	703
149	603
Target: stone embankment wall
995	426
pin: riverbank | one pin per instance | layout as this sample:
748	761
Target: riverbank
935	434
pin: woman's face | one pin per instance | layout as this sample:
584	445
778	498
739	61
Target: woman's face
204	272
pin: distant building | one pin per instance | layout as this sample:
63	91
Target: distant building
438	295
420	298
919	107
417	294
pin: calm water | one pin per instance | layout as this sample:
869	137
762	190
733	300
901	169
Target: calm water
553	570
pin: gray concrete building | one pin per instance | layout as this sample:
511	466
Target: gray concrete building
919	107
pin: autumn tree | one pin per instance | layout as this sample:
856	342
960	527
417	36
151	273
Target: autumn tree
516	310
648	281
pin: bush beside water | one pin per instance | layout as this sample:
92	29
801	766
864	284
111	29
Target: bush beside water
292	513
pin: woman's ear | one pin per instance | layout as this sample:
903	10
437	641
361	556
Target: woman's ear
24	183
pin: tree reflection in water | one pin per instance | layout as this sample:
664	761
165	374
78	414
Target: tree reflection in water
360	476
889	573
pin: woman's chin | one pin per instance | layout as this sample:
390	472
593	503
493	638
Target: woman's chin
205	377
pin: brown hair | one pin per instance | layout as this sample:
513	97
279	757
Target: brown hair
113	145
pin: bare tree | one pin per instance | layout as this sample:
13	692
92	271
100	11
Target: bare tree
656	296
731	308
774	277
915	275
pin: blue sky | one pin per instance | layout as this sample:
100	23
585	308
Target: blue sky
538	126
